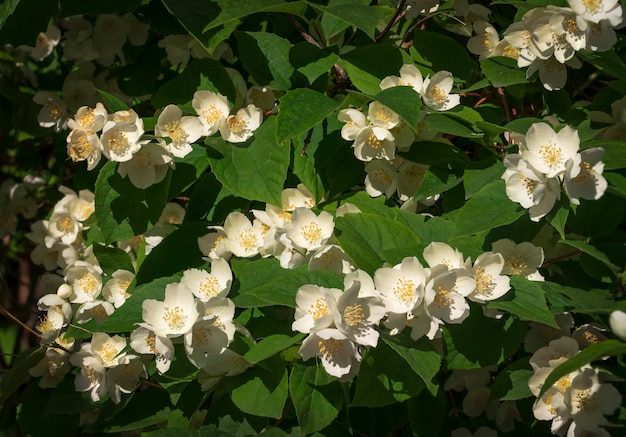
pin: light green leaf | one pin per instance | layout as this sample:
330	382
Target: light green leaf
238	168
316	395
479	174
437	181
264	282
487	209
123	210
448	123
511	383
265	56
480	341
263	392
502	71
606	348
529	302
270	346
235	9
300	110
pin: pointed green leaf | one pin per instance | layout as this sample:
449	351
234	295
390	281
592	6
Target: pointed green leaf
365	69
300	110
363	17
502	71
15	377
404	101
112	259
270	346
235	9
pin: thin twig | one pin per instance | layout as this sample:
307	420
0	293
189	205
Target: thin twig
306	35
18	321
307	140
505	104
560	257
396	17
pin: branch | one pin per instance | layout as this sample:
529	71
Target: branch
306	35
396	17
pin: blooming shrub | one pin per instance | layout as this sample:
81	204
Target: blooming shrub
313	218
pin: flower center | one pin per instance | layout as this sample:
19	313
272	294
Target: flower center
592	6
312	233
382	176
176	132
373	142
328	348
88	284
210	287
201	335
515	264
80	148
319	308
174	317
353	315
442	298
117	142
65	224
236	124
247	239
53	110
484	283
108	354
87	118
212	114
404	290
142	160
437	94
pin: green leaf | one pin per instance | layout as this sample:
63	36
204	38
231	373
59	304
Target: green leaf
363	17
265	56
487	209
449	124
365	69
428	413
592	251
316	396
614	152
96	7
312	62
238	169
235	9
270	346
437	181
597	218
16	375
480	341
264	282
365	236
123	210
609	62
263	392
421	356
558	216
8	339
301	110
502	71
111	102
146	407
444	53
189	169
201	74
21	21
479	174
6	10
112	259
193	15
593	301
125	318
511	383
178	251
384	379
404	101
437	155
529	302
606	348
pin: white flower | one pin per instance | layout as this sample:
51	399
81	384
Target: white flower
86	282
402	286
54	111
313	308
174	316
309	231
211	108
601	36
214	245
84	146
572	26
523	259
205	285
485	41
373	142
114	291
409	76
177	49
181	130
338	354
583	175
239	127
89	120
490	283
444	295
381	116
382	178
97	310
441	253
300	197
148	165
92	376
354	121
243	238
598	10
548	151
436	92
52	368
355	315
539	335
410	177
331	258
204	340
564	347
121	140
617	320
124	378
62	227
145	341
109	350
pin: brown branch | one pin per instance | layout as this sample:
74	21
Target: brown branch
18	321
505	104
306	35
560	257
396	17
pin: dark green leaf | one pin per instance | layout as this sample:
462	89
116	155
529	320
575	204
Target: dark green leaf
363	17
404	101
511	384
503	71
365	69
479	174
609	62
592	251
238	169
270	346
112	259
444	53
447	123
597	218
264	282
193	15
95	7
112	103
21	21
312	62
15	377
235	9
188	170
265	56
437	155
427	413
316	395
437	181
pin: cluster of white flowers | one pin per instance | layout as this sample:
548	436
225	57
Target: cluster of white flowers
197	311
547	159
477	399
578	402
293	234
16	198
381	132
339	323
547	39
